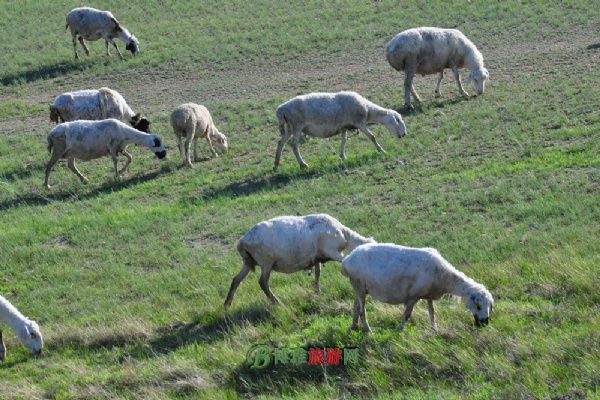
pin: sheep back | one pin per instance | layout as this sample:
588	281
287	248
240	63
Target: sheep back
394	274
324	114
290	243
430	50
191	118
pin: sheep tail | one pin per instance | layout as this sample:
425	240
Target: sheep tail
50	145
246	256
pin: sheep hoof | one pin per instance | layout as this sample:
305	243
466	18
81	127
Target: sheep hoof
354	327
437	94
304	165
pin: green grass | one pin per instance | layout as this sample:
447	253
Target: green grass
127	277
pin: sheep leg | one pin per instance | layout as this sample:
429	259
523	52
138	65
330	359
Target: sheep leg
115	45
285	136
457	77
188	143
317	276
87	51
295	143
212	150
75	46
363	312
431	314
355	314
343	147
181	151
236	282
437	86
359	306
56	155
2	348
72	167
129	158
264	285
408	89
195	143
407	312
366	131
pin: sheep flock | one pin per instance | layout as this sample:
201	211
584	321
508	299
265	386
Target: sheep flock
90	125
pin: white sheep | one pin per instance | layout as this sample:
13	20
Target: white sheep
429	51
95	104
92	24
88	140
328	114
26	330
288	244
194	121
403	275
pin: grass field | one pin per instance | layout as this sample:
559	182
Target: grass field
127	277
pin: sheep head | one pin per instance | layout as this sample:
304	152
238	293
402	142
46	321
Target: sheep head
133	45
31	337
395	124
219	139
157	146
479	76
480	303
140	123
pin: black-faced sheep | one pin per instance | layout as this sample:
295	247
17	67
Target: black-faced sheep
95	104
88	140
404	275
26	330
92	24
288	244
328	114
429	51
193	121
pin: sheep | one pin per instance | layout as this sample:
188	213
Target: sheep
328	114
403	275
26	330
88	140
92	24
429	51
194	121
292	243
95	104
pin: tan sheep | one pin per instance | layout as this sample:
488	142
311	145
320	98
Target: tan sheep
194	121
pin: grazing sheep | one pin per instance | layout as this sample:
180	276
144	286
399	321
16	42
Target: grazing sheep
429	51
95	104
194	121
92	24
87	140
26	330
404	275
328	114
288	244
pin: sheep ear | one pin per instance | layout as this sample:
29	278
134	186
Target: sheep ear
470	302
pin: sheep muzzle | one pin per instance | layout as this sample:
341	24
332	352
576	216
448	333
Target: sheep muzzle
481	322
161	154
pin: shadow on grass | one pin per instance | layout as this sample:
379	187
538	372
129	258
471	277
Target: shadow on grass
44	72
278	379
171	337
42	199
594	46
423	107
277	180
